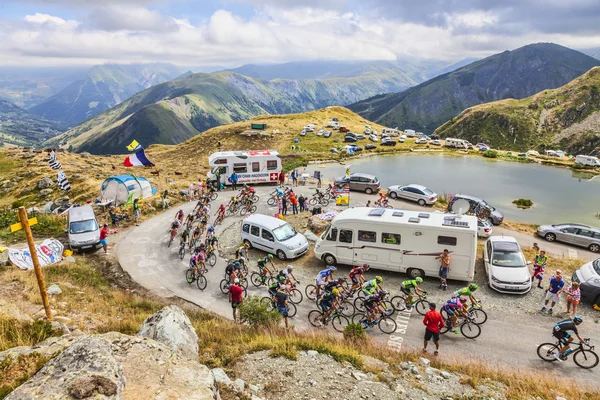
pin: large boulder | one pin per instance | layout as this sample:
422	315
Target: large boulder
173	328
45	192
44	183
87	368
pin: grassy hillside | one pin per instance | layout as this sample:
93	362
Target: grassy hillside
20	127
511	74
567	117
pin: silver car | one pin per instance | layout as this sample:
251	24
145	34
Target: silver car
576	234
413	192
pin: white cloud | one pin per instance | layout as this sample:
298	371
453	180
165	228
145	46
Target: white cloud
130	18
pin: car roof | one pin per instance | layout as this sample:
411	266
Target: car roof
504	243
363	175
466	196
82	213
578	226
414	185
265	221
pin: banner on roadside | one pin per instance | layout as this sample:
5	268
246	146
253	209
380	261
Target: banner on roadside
49	252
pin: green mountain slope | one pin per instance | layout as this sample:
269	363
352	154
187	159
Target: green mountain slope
19	127
197	102
103	87
568	117
511	74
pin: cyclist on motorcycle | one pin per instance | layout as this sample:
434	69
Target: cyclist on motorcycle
561	332
411	287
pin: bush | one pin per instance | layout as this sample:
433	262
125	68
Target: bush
354	333
490	154
523	203
256	313
14	333
18	203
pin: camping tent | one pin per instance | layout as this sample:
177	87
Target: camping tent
119	188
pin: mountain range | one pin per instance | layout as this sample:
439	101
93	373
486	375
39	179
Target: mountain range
510	74
567	117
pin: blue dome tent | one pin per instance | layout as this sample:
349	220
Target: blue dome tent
119	188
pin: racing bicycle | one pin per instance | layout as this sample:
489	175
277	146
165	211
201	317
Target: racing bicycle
583	355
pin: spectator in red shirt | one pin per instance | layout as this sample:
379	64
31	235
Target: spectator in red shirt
235	297
294	202
433	322
103	235
281	179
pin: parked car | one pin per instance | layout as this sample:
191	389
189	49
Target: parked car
321	132
481	145
350	138
588	277
327	134
505	265
402	139
388	142
435	137
484	148
344	129
484	228
303	133
435	142
413	192
308	128
370	146
361	182
576	234
359	136
274	236
373	138
421	141
496	217
353	147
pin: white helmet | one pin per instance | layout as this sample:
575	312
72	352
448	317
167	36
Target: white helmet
290	268
236	280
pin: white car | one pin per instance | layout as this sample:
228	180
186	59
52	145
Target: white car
413	192
421	141
321	132
436	142
484	228
303	133
402	139
505	265
274	236
308	128
373	138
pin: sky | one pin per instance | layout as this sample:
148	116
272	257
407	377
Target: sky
230	33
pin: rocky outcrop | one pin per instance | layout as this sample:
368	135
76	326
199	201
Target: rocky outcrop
173	328
44	183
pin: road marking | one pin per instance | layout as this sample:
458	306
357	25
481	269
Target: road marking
572	253
396	340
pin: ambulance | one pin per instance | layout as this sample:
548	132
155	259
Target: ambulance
254	166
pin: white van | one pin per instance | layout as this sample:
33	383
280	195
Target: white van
274	236
587	160
390	132
410	133
401	241
255	166
456	143
82	228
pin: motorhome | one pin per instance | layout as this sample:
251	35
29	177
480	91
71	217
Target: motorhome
587	160
401	241
410	133
255	166
456	143
390	132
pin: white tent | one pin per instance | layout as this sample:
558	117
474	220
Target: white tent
119	188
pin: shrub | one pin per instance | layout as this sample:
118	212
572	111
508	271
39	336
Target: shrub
256	312
523	203
490	154
354	333
18	203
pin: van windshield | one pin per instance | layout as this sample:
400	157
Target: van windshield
596	265
89	225
284	232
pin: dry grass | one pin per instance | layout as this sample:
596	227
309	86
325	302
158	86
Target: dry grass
14	372
565	264
529	229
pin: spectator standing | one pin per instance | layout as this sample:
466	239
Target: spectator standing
306	203
369	203
165	200
218	179
295	177
573	298
103	236
235	297
294	202
444	268
554	291
234	181
136	212
282	304
301	201
284	204
280	204
318	173
433	322
281	179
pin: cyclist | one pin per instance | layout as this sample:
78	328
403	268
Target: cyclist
274	287
242	251
210	232
356	275
197	261
284	275
179	215
184	236
221	211
196	233
323	277
539	265
232	271
203	221
281	297
561	332
468	292
454	306
262	265
334	284
232	202
242	261
372	306
370	287
411	287
213	242
328	303
175	225
189	220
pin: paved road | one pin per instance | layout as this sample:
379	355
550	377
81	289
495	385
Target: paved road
507	339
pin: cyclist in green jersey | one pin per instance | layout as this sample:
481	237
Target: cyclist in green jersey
468	292
411	287
184	236
370	287
262	265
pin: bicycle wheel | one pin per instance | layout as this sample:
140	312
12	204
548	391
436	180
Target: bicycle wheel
311	292
339	322
326	196
295	296
190	275
585	358
267	301
446	327
314	318
252	209
389	308
181	252
224	286
387	325
358	304
243	211
470	330
257	279
358	318
214	196
271	201
347	309
201	282
422	306
324	202
398	303
212	259
546	351
228	212
479	316
292	310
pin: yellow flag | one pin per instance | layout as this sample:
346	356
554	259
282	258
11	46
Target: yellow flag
133	145
348	171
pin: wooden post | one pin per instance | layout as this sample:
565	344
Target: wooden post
36	263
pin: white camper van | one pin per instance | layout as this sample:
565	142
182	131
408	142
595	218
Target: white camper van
456	143
255	166
402	241
390	132
82	228
410	133
587	160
